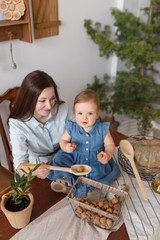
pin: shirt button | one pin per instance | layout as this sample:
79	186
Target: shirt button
86	135
86	159
86	149
86	142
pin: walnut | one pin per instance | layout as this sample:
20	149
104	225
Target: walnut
109	223
99	156
103	220
109	210
116	206
101	203
110	204
114	200
87	202
73	145
81	199
83	215
95	203
115	212
106	205
80	169
79	209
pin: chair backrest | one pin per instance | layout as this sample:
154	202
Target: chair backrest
10	95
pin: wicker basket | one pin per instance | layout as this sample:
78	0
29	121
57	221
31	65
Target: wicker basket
125	164
88	209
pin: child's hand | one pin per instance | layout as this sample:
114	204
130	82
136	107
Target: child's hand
70	147
103	157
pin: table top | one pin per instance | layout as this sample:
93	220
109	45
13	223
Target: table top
44	198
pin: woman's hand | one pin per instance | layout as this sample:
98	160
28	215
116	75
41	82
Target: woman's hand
104	157
41	172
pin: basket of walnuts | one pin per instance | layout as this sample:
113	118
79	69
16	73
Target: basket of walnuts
102	209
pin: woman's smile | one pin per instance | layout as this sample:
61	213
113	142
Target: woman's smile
45	103
47	110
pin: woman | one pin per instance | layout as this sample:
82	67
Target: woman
37	122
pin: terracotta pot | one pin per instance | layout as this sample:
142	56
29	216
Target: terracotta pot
17	219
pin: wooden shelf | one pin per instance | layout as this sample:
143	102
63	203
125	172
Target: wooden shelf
11	23
20	29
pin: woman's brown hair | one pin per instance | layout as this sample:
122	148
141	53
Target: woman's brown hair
87	95
32	86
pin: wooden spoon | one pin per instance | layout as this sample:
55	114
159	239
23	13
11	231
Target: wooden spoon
74	169
128	151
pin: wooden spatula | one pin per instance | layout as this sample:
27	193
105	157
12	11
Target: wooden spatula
128	151
73	169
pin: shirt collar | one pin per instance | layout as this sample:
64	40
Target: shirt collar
34	122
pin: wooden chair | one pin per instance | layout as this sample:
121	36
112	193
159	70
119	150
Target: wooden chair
6	175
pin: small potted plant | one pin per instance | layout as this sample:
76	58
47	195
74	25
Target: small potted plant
18	203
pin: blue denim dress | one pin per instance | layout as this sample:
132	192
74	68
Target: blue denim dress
89	144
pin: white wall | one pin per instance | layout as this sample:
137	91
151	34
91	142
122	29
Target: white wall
71	58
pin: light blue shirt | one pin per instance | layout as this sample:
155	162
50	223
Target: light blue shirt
34	142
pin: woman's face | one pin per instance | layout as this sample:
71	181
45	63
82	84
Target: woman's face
45	103
86	114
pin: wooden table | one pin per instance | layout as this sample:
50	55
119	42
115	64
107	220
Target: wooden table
44	198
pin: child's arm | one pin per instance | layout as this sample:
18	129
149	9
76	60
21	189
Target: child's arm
65	143
109	149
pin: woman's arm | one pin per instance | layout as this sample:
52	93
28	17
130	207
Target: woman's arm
18	140
109	149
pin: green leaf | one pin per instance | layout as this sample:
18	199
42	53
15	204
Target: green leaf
21	186
23	171
36	167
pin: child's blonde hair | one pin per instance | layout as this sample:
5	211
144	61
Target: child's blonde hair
87	95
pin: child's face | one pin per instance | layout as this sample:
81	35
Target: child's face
86	114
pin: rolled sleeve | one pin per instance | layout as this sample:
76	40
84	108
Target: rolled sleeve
19	144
